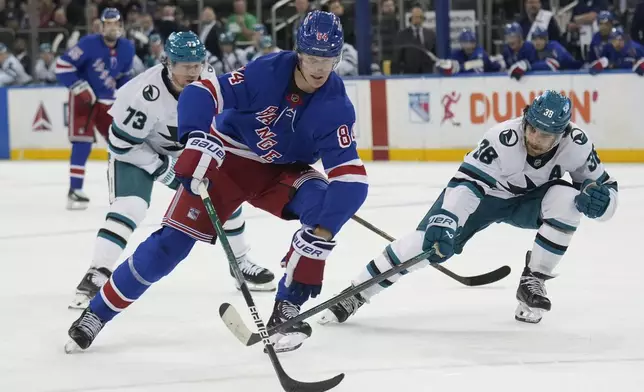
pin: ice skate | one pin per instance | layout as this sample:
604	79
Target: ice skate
532	295
77	200
257	277
83	331
89	286
292	338
341	311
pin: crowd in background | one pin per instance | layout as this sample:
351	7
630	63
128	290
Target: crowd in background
235	36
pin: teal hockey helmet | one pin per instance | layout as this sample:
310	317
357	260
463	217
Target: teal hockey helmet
550	112
185	47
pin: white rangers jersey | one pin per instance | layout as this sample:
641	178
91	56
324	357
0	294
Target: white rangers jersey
501	167
145	119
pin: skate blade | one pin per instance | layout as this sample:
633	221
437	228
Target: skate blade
71	347
529	315
258	287
77	205
327	318
80	302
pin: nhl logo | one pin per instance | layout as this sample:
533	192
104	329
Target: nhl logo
537	162
322	36
295	98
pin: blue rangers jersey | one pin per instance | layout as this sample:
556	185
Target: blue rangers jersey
597	46
262	115
626	58
526	52
91	60
555	57
479	55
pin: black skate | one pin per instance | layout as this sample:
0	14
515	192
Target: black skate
532	295
77	200
257	277
93	280
291	338
83	331
341	311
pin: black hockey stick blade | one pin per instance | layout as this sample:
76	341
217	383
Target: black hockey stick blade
477	280
291	385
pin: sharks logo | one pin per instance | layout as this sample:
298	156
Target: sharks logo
578	136
517	190
151	93
175	146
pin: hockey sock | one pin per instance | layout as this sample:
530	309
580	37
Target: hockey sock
153	259
125	214
394	254
549	246
78	160
234	228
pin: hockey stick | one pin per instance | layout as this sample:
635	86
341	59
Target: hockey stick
289	384
233	320
477	280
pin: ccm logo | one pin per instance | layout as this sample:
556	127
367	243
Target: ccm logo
306	249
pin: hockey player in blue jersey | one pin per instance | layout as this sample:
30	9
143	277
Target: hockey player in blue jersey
620	54
517	53
274	118
551	55
602	37
470	58
92	70
514	176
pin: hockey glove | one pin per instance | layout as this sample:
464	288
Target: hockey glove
202	155
498	58
304	263
82	92
440	235
448	67
593	200
518	69
638	68
598	65
165	173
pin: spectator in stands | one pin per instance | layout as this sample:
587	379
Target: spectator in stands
518	54
21	53
302	7
535	17
74	12
60	20
46	11
386	30
211	29
637	28
156	51
411	46
146	24
266	46
45	69
251	51
168	24
231	58
241	23
348	65
602	37
584	22
348	26
97	26
12	72
469	58
551	55
622	53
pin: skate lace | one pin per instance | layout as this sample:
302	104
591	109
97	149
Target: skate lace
289	310
91	325
248	267
535	285
98	278
351	304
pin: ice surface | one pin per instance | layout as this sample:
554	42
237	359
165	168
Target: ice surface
427	333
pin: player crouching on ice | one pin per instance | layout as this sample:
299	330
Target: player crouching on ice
514	177
283	112
143	148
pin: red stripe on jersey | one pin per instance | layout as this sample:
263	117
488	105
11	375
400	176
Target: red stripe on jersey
211	87
348	169
112	297
64	66
80	172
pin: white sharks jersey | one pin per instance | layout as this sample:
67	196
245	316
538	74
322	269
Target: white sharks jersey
145	119
501	167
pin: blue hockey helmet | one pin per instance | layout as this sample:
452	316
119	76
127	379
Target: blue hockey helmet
266	42
513	29
617	33
605	17
185	47
110	14
467	35
320	34
550	112
540	32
